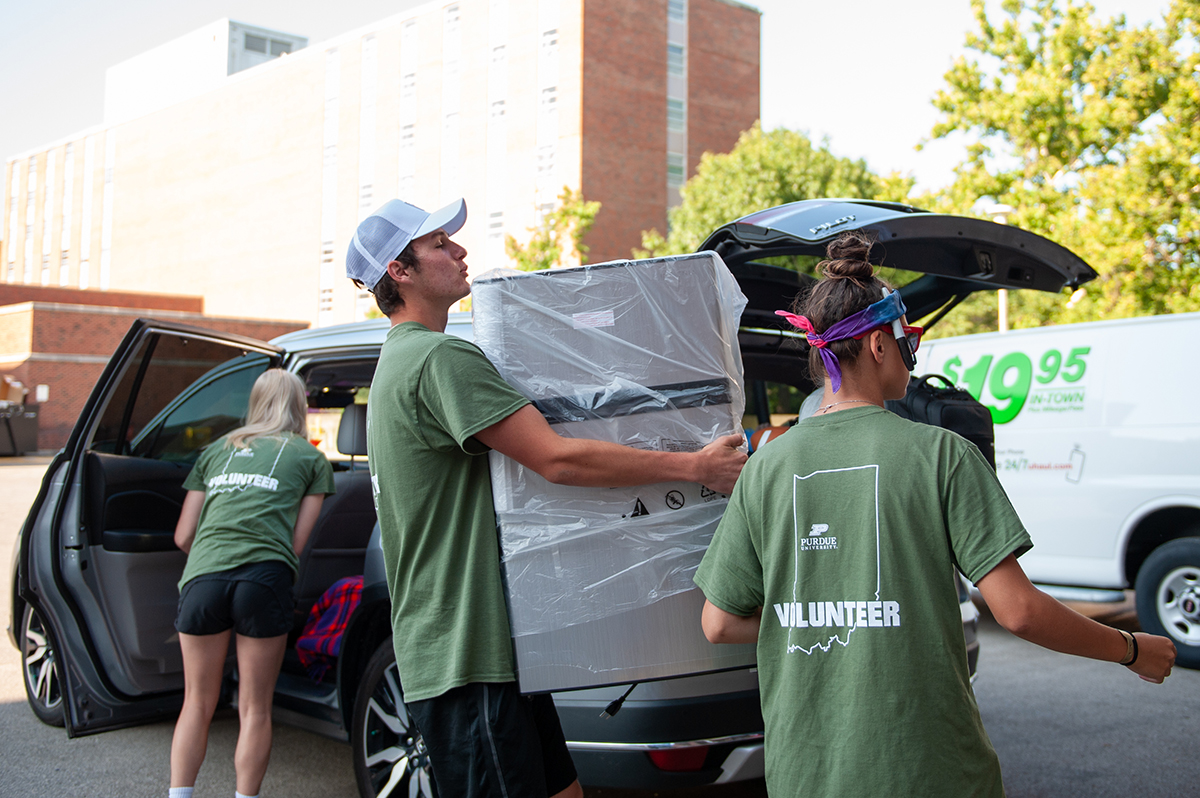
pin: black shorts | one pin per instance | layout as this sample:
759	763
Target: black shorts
489	741
254	600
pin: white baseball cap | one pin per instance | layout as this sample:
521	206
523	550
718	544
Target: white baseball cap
385	233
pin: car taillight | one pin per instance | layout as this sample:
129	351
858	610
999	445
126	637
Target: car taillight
680	758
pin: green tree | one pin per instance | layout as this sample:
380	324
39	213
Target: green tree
558	240
1089	130
763	169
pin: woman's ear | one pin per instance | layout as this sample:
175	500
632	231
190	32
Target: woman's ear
877	345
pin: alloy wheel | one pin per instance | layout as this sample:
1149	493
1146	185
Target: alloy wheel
394	752
40	668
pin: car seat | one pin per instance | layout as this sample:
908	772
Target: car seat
337	546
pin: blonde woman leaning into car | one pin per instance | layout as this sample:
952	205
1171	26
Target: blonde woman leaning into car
837	556
252	500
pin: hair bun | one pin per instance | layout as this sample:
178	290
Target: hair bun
848	257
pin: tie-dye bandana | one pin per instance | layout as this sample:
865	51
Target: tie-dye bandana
885	310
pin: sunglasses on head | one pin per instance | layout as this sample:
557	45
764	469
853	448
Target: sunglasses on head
912	334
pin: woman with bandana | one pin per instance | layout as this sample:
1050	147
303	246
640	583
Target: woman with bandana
837	557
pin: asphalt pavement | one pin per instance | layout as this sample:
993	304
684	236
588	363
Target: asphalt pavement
1067	727
1064	727
37	760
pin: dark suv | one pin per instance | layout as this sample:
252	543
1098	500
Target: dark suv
94	582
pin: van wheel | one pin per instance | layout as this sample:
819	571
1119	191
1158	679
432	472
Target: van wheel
389	754
40	667
1168	597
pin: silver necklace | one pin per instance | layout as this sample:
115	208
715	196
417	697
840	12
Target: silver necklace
846	402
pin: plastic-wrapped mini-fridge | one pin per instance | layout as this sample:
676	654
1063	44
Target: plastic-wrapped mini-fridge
642	353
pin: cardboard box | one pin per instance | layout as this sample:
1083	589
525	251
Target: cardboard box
641	353
12	390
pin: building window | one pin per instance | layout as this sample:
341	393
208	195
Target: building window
30	211
450	155
14	197
48	216
85	221
366	129
407	165
545	163
328	273
674	169
279	48
451	96
106	209
256	44
497	175
675	60
675	115
676	10
68	196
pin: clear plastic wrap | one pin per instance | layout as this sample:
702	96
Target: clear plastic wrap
642	353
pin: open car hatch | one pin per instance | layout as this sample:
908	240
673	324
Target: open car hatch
956	255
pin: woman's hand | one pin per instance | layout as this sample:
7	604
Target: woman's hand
306	518
189	518
1156	657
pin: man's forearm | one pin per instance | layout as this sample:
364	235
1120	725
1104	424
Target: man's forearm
527	438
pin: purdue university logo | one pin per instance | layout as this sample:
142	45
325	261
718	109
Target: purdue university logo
817	539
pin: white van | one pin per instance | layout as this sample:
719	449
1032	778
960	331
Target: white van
1097	444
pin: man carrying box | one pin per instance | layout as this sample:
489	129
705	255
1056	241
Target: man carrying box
436	405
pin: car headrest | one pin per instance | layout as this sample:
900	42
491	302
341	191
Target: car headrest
352	431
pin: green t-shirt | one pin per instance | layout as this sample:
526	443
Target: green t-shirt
251	499
846	531
433	492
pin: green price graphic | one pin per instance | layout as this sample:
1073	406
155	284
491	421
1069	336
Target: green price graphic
1013	375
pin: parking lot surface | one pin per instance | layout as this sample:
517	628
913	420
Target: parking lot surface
1064	727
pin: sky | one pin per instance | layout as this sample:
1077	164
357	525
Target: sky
861	73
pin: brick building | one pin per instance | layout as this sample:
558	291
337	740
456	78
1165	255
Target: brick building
60	339
245	189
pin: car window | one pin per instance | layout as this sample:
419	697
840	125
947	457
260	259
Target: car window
332	385
177	395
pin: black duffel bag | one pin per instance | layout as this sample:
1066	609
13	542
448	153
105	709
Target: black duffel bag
950	408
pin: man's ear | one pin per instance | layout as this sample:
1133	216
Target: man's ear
398	271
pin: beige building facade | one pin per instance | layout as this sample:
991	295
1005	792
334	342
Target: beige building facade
247	193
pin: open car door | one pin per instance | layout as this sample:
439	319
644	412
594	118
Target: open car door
98	561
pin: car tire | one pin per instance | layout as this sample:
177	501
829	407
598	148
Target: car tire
39	665
389	754
1168	597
